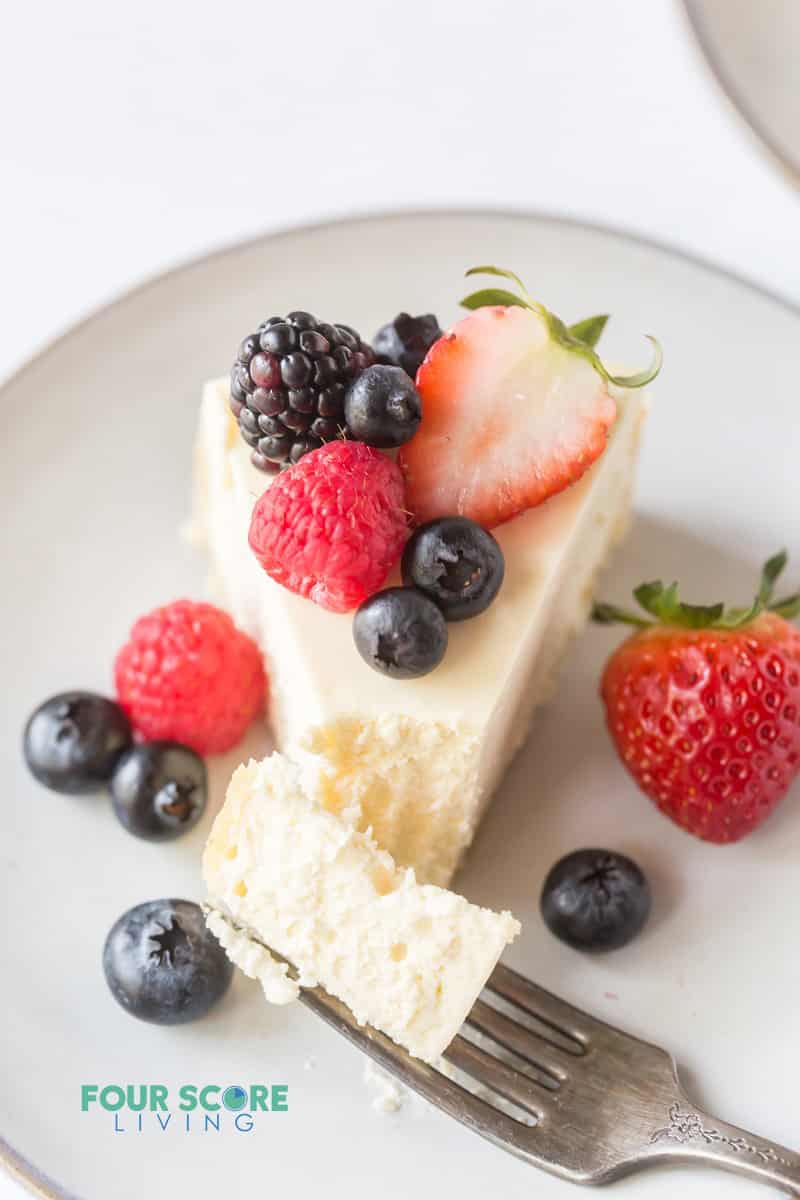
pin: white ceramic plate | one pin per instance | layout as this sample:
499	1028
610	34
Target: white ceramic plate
94	484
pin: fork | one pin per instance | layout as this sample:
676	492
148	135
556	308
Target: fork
594	1103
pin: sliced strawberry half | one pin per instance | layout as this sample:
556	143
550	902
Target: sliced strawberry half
515	406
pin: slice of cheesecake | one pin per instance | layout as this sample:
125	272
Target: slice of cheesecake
415	761
407	958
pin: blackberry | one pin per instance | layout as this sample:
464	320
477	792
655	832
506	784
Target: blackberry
288	386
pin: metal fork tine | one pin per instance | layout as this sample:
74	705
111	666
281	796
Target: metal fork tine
457	1101
492	1073
621	1107
570	1022
542	1054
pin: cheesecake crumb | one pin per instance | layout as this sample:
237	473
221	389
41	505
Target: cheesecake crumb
389	1096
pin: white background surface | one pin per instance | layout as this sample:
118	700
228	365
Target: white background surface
136	137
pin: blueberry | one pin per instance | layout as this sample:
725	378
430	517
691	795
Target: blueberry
382	407
406	341
163	965
456	563
400	632
158	790
595	900
73	741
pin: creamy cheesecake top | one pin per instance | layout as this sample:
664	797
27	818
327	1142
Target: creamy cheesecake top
415	760
328	673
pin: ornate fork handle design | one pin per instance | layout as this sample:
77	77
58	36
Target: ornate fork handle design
695	1137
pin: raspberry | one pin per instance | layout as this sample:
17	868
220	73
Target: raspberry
333	525
187	674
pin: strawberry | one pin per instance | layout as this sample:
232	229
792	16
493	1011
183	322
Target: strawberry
703	705
515	405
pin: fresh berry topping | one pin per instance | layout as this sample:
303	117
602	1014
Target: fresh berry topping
516	408
333	526
188	675
510	419
74	740
405	342
158	790
703	705
400	632
595	900
382	407
288	386
163	965
457	564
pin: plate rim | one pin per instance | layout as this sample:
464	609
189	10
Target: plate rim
22	1171
766	141
17	1166
376	217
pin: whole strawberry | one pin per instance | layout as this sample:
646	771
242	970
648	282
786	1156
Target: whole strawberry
703	705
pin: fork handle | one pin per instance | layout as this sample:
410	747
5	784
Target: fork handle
692	1136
